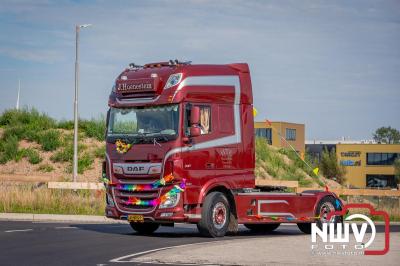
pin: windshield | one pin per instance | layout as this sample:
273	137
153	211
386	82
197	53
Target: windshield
144	121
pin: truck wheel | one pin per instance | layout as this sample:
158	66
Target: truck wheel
145	228
325	206
262	228
214	215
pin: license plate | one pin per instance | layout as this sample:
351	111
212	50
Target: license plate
136	218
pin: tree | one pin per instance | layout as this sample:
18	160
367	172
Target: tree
330	167
387	135
397	170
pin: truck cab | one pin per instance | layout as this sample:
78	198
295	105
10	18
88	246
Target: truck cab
181	148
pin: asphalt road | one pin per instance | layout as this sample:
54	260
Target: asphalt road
29	243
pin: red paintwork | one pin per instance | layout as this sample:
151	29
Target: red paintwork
228	167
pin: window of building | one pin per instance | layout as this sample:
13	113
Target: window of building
290	134
381	181
378	158
264	133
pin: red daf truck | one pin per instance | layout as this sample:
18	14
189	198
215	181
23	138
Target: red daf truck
181	148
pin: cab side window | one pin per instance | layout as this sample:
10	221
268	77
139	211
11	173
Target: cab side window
205	119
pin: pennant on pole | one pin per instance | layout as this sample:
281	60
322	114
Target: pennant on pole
254	111
316	170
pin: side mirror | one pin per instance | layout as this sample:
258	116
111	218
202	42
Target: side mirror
195	115
195	131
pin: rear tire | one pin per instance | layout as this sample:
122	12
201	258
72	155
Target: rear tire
145	228
262	228
326	205
215	215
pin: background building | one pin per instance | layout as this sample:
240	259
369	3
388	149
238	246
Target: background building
292	132
367	164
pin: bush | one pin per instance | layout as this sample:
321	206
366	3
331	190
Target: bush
50	140
8	149
331	168
66	124
26	117
32	155
85	162
66	154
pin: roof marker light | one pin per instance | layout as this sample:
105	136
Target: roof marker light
173	80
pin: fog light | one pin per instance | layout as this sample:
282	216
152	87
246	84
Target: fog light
166	214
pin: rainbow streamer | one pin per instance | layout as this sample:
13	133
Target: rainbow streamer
155	185
175	190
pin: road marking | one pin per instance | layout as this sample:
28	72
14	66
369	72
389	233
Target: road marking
66	227
121	259
19	230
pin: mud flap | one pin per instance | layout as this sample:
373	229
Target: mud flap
233	226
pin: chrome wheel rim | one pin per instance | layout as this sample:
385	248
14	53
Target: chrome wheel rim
219	215
326	208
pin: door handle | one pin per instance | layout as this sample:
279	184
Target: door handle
209	165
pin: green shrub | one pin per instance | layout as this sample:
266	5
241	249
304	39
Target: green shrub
45	168
66	154
8	149
50	140
66	124
26	117
85	162
33	156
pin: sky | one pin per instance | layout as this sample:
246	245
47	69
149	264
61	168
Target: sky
332	65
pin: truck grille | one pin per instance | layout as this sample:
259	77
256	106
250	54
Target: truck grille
122	195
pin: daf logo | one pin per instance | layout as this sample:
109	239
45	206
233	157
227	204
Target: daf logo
135	168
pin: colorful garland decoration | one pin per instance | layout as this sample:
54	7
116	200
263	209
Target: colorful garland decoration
283	219
155	185
175	190
122	147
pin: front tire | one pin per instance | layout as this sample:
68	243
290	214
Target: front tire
262	228
215	215
145	228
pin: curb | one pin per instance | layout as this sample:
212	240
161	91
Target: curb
58	218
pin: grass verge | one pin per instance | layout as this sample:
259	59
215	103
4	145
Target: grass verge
29	198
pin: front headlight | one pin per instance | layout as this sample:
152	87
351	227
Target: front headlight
173	80
171	201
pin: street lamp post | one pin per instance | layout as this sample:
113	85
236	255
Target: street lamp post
75	162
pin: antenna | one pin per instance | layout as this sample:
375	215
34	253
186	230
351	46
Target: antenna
19	89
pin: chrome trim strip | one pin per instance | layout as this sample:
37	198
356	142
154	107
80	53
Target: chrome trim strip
273	213
266	193
145	171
